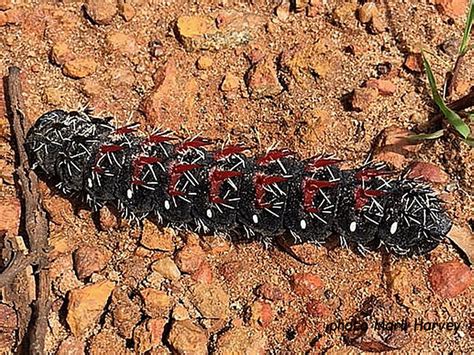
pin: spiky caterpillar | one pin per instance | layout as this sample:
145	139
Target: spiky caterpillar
183	183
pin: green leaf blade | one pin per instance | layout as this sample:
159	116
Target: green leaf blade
427	136
452	117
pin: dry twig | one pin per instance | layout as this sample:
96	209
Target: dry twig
35	220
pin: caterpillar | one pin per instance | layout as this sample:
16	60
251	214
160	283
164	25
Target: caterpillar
182	183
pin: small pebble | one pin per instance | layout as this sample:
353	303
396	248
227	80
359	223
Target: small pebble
204	62
167	268
185	337
230	83
283	10
414	62
156	48
450	279
101	12
306	284
80	67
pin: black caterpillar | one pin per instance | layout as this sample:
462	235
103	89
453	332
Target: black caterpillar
179	182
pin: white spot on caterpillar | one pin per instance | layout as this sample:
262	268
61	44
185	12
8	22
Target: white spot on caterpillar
209	213
129	193
255	219
303	224
89	182
353	227
167	205
393	228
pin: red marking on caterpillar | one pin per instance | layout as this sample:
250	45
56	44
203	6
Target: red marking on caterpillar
362	196
216	178
176	172
318	162
126	129
194	143
137	167
261	181
111	148
228	151
274	155
156	139
310	188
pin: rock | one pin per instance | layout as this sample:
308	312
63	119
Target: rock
10	211
261	314
10	17
450	279
108	221
63	277
210	299
6	5
242	340
394	147
125	313
452	8
262	80
227	29
384	87
305	63
88	260
344	13
215	244
106	342
414	62
316	7
60	53
230	83
122	43
428	172
283	11
299	5
79	68
157	303
180	312
101	12
167	268
306	284
157	239
126	10
186	337
193	30
271	292
85	305
7	169
190	258
148	335
71	346
378	24
367	11
156	48
204	62
172	99
8	327
362	98
317	309
203	274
